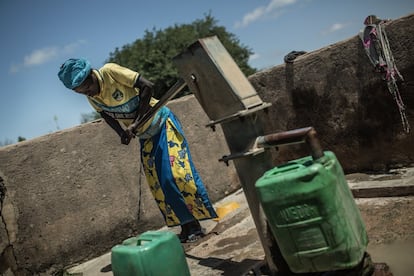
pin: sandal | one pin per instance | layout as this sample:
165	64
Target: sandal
191	232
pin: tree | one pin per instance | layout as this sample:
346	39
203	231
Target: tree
55	118
88	117
6	142
152	55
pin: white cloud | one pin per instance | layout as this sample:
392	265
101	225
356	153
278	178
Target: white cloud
334	28
273	9
254	56
40	56
70	48
44	55
14	68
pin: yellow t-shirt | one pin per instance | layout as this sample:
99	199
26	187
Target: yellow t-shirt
118	96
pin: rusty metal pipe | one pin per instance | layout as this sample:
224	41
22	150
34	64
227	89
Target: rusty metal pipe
302	135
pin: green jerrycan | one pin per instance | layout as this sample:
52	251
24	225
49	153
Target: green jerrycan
312	213
153	253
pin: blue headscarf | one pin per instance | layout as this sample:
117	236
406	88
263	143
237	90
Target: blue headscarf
74	71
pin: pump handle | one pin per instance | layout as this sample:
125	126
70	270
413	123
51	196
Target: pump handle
177	87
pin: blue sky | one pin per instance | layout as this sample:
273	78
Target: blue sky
37	36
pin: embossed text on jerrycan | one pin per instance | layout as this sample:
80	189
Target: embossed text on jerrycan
312	213
152	253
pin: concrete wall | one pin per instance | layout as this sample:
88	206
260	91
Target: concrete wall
336	90
72	195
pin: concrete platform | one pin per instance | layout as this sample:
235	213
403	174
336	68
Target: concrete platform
232	246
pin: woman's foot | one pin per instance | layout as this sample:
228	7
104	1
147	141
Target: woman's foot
191	232
184	233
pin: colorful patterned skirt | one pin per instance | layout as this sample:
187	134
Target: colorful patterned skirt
174	182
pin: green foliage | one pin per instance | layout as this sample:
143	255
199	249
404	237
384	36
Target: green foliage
56	119
6	142
152	55
88	117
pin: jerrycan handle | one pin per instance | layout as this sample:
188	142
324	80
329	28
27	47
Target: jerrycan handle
142	241
296	136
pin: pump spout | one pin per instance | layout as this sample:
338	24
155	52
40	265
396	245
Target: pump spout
302	135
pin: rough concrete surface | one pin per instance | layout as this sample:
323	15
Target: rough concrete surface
336	90
232	247
67	196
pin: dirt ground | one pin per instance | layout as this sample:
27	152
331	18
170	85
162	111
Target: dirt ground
385	225
389	220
